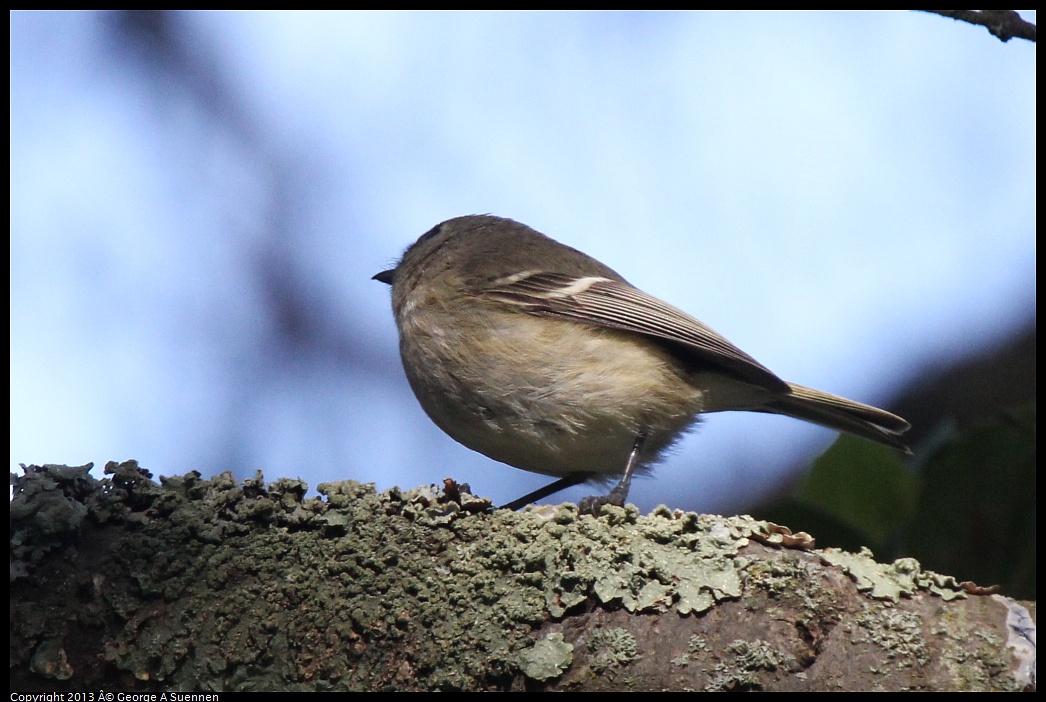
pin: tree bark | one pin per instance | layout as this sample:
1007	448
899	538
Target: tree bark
212	585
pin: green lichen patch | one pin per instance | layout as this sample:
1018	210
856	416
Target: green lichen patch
896	631
612	647
647	564
892	581
547	659
757	655
46	510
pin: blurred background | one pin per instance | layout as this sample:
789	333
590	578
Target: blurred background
199	201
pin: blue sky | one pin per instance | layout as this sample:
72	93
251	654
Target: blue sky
848	197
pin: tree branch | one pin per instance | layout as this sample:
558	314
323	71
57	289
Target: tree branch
123	584
1004	24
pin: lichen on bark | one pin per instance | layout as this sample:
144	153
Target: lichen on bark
195	584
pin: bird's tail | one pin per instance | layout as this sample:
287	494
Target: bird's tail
840	414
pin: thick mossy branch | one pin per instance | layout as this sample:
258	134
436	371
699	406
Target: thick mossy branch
193	584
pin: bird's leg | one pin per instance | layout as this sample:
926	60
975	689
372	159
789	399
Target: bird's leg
550	489
617	496
588	505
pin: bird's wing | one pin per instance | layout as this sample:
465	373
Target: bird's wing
616	304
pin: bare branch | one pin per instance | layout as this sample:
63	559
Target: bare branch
1005	24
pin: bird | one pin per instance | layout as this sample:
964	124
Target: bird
541	357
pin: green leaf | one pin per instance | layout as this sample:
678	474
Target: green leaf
863	486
